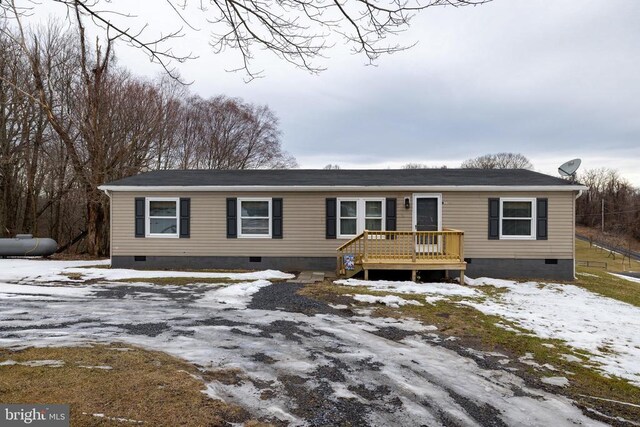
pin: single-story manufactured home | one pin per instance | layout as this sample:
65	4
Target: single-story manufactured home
498	223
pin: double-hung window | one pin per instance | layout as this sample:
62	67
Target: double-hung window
162	217
254	217
357	215
517	218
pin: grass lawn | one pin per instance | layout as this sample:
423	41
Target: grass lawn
584	252
600	281
141	385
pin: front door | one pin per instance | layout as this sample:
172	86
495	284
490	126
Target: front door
427	214
426	217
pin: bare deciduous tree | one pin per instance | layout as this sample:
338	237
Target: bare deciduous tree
72	120
421	166
297	31
498	161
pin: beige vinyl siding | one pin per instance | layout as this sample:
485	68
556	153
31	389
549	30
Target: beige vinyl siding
304	226
468	211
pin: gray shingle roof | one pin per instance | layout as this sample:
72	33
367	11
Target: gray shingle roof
342	177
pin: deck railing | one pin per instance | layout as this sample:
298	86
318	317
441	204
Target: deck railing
419	247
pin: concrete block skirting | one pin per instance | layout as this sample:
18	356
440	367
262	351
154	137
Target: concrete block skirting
476	267
224	263
501	268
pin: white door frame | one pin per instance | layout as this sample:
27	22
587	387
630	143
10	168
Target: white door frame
427	248
416	196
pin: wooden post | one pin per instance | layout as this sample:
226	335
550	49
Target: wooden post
413	275
413	247
366	274
364	242
462	277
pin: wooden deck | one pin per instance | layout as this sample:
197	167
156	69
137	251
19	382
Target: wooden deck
402	250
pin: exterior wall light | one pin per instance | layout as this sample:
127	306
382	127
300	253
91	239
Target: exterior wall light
407	203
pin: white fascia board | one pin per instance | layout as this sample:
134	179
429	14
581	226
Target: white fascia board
330	188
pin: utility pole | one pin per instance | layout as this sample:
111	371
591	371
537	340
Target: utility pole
603	215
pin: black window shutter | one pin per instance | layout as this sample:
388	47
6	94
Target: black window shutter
331	217
232	218
542	214
185	217
494	219
391	223
276	218
140	216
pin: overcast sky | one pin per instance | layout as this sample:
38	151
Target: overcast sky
553	80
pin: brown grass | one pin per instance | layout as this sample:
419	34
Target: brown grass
600	281
143	385
584	252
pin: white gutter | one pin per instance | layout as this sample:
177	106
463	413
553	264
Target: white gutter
106	191
333	188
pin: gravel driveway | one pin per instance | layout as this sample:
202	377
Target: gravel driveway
298	361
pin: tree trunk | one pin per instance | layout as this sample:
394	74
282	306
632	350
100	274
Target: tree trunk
97	223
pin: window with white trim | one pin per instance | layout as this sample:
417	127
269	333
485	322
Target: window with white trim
162	217
357	215
517	218
254	217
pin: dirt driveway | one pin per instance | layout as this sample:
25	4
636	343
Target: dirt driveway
294	360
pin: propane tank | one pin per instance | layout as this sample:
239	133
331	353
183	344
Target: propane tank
27	245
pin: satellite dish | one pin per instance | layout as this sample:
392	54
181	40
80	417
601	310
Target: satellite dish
569	168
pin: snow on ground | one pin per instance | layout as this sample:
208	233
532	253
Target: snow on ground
389	300
16	269
605	327
236	295
370	371
121	273
44	271
625	277
443	289
7	289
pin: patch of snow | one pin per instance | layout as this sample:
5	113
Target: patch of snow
16	269
586	274
434	299
237	295
111	274
548	345
35	363
339	306
388	300
442	289
570	358
118	419
507	327
67	291
629	278
557	381
607	328
104	367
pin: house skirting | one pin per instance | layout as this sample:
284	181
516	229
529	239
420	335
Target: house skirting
501	268
561	269
224	263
